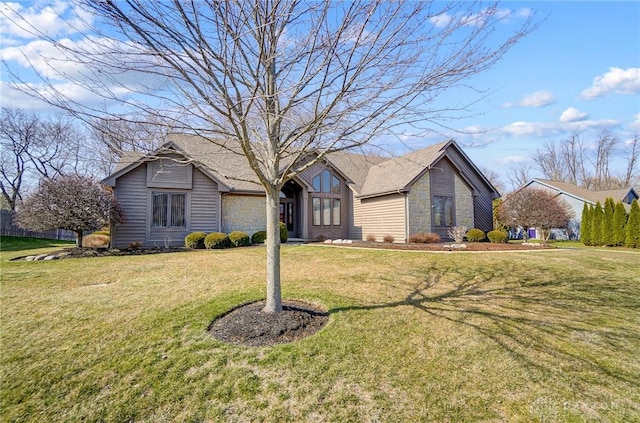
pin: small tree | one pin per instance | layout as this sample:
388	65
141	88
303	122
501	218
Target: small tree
535	208
72	202
585	225
597	216
619	222
632	229
607	222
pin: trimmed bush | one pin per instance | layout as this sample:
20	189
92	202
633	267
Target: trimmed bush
284	233
259	237
388	239
195	240
475	235
424	238
239	239
217	240
497	237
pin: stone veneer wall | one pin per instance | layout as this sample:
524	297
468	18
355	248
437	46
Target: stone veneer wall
243	213
464	204
420	206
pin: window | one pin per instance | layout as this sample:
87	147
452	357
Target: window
443	211
169	209
326	182
317	209
326	202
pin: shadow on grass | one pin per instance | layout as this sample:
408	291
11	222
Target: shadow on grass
571	323
14	243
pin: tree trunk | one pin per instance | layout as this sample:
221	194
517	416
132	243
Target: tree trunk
274	296
79	235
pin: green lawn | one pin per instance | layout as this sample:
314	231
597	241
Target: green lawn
542	336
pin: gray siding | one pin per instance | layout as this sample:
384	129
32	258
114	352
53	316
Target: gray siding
483	195
380	216
131	193
205	201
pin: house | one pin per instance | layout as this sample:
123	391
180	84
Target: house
577	197
191	184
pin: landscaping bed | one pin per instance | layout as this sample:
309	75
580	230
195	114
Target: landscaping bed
448	246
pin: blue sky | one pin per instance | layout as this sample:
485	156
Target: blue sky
578	72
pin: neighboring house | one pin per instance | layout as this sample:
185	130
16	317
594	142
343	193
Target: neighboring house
577	196
191	184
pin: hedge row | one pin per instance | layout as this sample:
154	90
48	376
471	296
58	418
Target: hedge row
610	225
217	240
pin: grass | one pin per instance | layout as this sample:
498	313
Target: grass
533	336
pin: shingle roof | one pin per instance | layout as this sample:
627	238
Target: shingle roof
585	194
226	164
398	173
370	175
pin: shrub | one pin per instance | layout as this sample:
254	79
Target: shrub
95	241
216	240
321	238
424	238
371	238
284	233
239	239
497	237
195	240
388	239
107	233
259	237
457	233
475	235
135	245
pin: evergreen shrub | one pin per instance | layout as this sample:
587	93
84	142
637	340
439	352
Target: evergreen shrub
475	235
239	239
259	237
497	237
195	240
217	240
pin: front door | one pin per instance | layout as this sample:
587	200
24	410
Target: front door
286	213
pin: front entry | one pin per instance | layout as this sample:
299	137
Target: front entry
289	204
286	213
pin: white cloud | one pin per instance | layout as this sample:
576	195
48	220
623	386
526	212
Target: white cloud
511	159
49	18
537	99
546	129
616	80
441	20
635	125
573	115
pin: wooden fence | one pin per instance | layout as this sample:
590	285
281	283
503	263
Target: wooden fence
9	228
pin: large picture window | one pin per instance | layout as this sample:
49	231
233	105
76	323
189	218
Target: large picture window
169	209
443	211
326	203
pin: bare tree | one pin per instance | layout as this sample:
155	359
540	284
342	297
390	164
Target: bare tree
72	202
33	148
114	136
534	208
588	164
283	81
520	175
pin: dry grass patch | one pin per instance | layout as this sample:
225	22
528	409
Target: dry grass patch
411	337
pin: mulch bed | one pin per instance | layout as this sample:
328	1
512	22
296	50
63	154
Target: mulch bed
447	246
249	325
